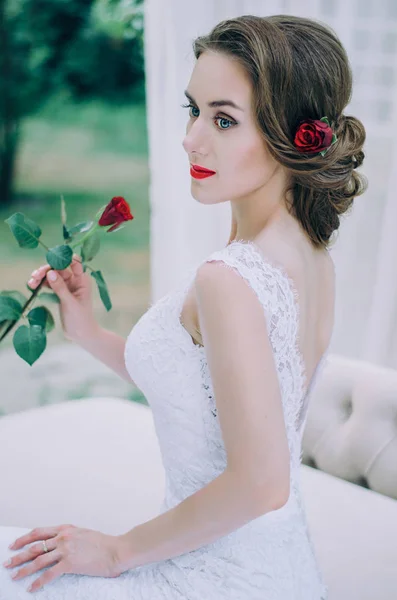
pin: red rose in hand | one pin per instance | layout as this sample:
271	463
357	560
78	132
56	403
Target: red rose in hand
116	212
313	136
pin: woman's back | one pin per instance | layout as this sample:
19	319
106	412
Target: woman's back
312	274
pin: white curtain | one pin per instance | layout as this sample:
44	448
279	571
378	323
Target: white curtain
380	333
183	231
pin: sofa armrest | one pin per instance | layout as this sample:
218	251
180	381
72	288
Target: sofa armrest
93	462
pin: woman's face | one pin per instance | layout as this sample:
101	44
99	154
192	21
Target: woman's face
224	139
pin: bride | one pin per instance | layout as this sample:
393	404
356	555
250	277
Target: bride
226	361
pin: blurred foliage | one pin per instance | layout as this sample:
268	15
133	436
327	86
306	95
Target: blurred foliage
58	140
91	49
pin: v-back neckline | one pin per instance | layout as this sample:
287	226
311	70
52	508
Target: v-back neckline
306	388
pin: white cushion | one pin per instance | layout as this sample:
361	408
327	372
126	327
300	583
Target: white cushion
354	532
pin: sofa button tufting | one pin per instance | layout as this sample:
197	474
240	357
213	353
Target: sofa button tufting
363	481
348	408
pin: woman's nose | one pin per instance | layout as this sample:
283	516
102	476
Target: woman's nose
194	140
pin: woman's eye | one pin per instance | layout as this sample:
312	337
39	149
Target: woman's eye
192	108
226	123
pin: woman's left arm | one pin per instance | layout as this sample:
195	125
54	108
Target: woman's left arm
255	480
246	387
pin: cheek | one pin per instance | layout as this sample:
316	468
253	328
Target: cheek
243	164
248	168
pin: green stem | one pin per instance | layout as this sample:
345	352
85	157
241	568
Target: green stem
5	324
44	246
26	305
85	237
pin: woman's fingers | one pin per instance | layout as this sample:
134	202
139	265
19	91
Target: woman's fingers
38	273
76	266
37	276
31	553
72	276
73	272
39	533
66	275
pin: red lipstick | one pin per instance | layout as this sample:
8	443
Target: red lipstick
200	172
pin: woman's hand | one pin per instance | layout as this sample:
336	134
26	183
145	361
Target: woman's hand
74	290
70	550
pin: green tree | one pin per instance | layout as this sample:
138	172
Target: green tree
92	48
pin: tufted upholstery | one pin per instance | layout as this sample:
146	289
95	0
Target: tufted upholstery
351	429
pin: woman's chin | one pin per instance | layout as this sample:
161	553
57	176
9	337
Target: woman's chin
203	198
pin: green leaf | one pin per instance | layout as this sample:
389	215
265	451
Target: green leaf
30	342
66	234
80	227
18	296
334	138
50	297
90	247
26	232
59	257
103	290
40	315
65	231
325	119
9	309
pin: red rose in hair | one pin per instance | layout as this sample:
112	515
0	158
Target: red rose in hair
314	136
116	212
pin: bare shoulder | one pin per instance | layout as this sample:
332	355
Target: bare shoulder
301	261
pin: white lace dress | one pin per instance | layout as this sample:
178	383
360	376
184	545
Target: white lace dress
270	558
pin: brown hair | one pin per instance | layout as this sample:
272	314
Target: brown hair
299	69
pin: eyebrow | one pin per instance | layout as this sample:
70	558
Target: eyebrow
215	103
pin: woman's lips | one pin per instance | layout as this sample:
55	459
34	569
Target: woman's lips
199	172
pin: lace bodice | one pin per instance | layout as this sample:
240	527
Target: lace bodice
172	371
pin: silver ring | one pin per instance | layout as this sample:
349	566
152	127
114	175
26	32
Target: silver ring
45	546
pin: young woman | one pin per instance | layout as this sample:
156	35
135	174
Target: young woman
227	362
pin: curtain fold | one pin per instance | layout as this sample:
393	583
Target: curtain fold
380	333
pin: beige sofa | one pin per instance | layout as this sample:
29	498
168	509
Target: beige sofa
96	463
